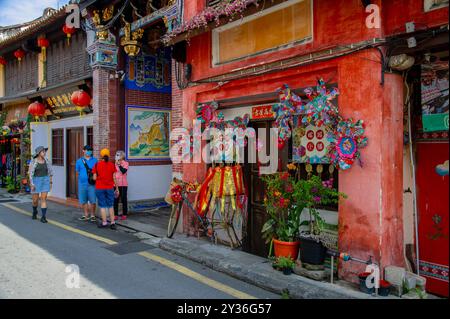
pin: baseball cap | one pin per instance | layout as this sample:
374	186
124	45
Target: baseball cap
87	148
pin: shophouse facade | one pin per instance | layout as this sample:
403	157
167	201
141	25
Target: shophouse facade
240	60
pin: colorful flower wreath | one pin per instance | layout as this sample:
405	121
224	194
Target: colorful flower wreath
320	110
346	140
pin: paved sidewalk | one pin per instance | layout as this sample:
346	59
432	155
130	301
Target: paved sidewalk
236	263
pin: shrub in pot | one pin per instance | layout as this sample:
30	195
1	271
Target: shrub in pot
282	227
284	264
308	195
385	288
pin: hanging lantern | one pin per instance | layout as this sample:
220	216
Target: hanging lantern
81	99
68	31
2	61
36	109
19	54
43	43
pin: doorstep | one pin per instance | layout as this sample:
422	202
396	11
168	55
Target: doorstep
258	271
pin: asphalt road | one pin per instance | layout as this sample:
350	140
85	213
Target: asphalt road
35	259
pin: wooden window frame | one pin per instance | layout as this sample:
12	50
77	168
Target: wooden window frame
215	33
58	148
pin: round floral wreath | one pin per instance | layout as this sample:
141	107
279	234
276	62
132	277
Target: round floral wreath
346	140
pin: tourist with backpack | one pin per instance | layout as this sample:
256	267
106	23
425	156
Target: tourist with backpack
86	183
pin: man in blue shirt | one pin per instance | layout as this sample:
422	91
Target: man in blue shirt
86	191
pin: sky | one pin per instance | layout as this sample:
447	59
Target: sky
16	11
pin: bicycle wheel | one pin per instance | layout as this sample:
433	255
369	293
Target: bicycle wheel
174	218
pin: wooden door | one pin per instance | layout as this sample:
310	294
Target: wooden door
433	212
257	214
75	142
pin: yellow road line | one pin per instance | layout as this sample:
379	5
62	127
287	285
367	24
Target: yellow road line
163	261
199	277
66	227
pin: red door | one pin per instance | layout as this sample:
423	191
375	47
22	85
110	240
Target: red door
433	210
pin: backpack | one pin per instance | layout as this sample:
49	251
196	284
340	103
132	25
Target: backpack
90	175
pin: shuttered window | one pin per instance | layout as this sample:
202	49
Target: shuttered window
58	147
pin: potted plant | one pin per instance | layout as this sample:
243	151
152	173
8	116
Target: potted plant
385	288
13	185
282	228
309	194
284	264
362	283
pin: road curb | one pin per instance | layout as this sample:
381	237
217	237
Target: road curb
255	270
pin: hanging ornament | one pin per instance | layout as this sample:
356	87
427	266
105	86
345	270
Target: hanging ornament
43	43
5	131
36	109
68	31
19	54
206	113
346	140
2	61
81	99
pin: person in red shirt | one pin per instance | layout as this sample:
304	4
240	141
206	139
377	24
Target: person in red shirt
105	183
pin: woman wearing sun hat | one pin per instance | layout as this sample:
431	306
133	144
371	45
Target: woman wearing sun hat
105	183
40	173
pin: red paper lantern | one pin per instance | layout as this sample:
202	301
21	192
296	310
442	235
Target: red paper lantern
81	98
2	61
19	54
43	43
36	109
68	31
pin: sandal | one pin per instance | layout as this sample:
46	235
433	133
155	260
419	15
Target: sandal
93	219
83	218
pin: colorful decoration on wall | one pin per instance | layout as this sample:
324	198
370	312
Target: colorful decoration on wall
150	73
442	169
321	135
19	54
346	140
17	126
220	182
2	61
36	109
310	144
319	110
206	113
147	134
5	130
435	93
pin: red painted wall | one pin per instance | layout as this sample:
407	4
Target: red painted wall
336	22
371	221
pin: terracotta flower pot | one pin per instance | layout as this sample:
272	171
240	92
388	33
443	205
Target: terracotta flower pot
286	249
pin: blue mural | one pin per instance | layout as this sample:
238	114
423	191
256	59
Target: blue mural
150	73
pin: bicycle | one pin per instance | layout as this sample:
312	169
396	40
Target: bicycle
209	225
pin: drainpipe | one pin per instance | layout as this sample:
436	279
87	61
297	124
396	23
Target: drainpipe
411	154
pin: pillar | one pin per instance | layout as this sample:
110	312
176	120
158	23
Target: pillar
371	218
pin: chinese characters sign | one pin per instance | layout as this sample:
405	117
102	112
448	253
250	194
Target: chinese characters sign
262	112
310	145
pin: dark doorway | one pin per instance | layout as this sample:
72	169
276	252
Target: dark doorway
257	215
75	140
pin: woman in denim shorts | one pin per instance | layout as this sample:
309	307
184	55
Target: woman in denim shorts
40	174
105	183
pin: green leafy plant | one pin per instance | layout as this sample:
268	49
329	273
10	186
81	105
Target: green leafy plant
13	185
310	194
284	263
284	221
285	294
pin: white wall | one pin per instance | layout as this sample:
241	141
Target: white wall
41	135
148	182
